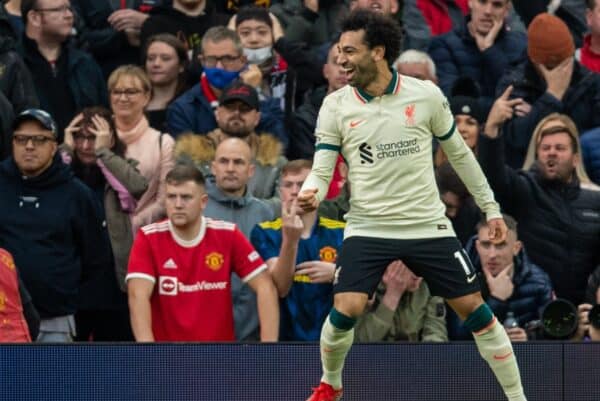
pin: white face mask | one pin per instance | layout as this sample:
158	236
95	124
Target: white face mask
258	56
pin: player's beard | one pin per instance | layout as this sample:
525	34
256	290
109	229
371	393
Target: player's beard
364	73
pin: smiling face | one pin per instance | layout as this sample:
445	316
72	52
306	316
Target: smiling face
357	59
128	98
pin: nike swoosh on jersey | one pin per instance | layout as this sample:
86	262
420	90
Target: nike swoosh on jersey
471	279
356	123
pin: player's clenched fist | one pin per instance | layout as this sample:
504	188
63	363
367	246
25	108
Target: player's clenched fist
307	200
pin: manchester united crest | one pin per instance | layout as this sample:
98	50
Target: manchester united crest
328	254
214	261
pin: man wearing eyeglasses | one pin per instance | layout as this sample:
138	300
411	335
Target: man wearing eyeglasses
49	222
224	63
66	79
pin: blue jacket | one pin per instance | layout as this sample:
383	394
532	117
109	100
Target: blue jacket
456	55
50	224
192	112
532	292
590	149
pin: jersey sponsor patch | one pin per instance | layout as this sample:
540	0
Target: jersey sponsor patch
214	261
167	285
253	256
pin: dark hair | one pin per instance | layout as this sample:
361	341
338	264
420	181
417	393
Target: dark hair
180	51
511	223
88	113
253	13
590	4
448	181
26	6
184	172
296	166
379	30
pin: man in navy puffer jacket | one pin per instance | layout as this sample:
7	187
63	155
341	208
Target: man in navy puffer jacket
510	281
482	49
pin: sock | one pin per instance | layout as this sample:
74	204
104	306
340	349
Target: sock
495	347
337	336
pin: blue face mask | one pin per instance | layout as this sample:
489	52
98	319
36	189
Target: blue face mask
220	78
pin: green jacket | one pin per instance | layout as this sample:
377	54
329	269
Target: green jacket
420	317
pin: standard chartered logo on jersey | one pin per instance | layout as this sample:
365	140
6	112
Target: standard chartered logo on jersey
391	150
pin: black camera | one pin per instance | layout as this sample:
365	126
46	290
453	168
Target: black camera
559	319
594	316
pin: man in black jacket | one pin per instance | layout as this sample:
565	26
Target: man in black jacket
50	223
559	219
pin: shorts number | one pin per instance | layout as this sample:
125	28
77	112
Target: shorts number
458	255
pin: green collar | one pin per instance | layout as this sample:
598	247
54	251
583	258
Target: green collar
391	88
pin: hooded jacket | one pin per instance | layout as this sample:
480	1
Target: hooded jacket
50	223
245	211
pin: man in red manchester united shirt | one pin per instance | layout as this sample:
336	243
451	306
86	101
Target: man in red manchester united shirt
179	275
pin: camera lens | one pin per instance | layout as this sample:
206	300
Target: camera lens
559	318
594	316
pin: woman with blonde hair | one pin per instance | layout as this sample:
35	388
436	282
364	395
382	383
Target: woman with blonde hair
130	91
555	123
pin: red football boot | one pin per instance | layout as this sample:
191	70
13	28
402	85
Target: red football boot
325	393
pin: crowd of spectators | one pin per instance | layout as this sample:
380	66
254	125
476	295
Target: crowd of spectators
105	103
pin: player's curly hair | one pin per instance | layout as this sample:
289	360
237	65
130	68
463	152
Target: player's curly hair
380	30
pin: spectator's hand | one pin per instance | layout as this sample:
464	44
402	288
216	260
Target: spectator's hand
318	272
252	76
71	129
133	37
127	19
558	79
292	225
484	42
522	109
312	5
502	110
583	325
516	334
277	28
497	231
101	129
307	200
501	286
396	280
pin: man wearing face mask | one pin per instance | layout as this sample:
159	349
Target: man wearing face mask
224	63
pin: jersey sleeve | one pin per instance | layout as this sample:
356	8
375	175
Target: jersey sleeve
265	244
461	157
247	263
141	264
442	120
328	146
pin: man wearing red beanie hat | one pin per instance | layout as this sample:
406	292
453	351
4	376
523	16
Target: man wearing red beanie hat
550	81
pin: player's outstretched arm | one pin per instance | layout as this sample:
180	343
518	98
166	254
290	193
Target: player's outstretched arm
307	199
139	291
